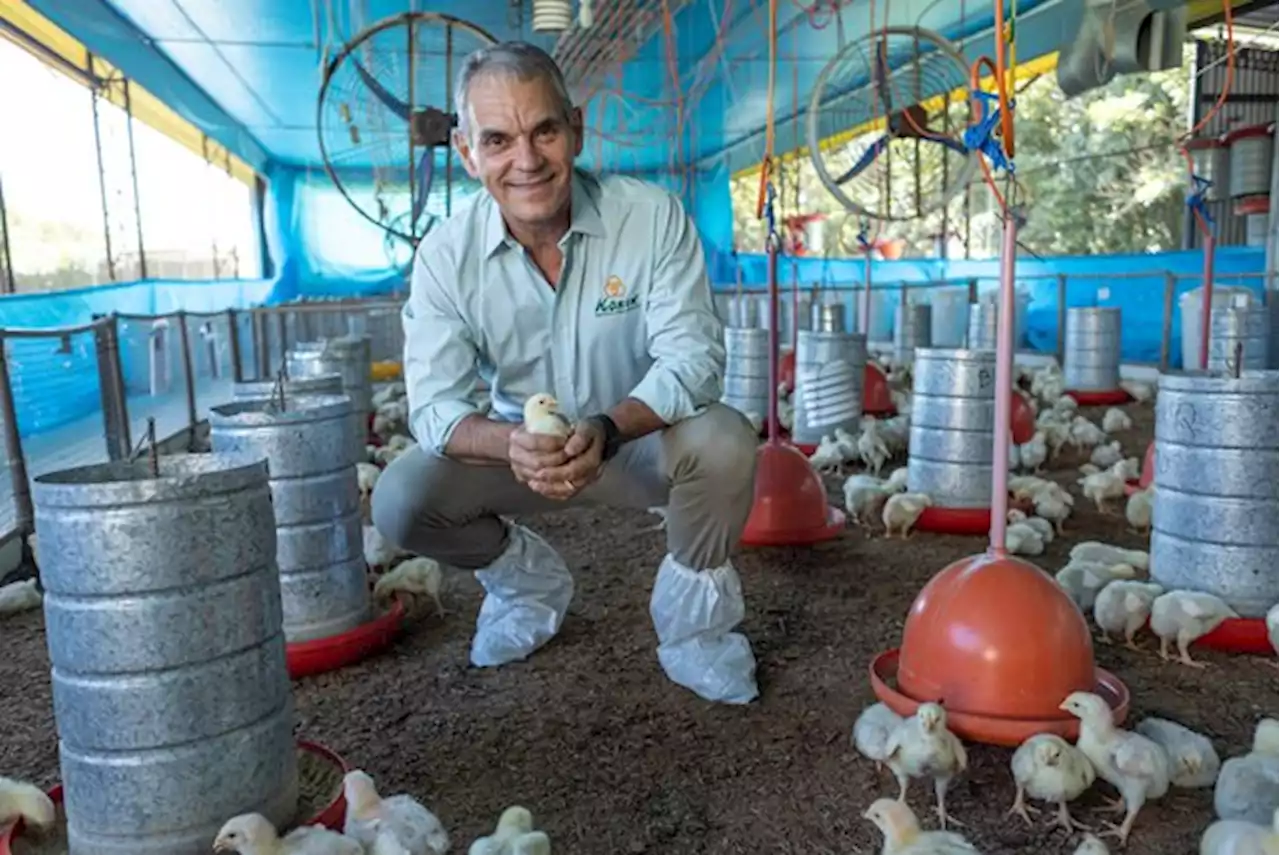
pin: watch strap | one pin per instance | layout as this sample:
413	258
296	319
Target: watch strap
612	436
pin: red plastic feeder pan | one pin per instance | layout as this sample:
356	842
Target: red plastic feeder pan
966	645
1238	635
306	658
1148	472
332	807
1111	398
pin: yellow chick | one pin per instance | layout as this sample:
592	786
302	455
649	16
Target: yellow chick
514	835
1050	769
1130	762
417	577
253	834
20	800
923	747
542	416
902	834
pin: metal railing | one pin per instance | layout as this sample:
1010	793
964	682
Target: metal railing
849	294
170	367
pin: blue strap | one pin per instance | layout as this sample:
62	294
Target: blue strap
980	136
771	224
1197	202
863	241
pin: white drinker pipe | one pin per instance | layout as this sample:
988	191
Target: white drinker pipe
1004	388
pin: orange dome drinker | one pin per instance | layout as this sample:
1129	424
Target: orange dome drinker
876	400
991	637
1022	419
790	506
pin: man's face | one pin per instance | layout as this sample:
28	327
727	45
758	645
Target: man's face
521	147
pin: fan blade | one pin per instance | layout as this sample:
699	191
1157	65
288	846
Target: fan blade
391	102
873	151
882	78
426	170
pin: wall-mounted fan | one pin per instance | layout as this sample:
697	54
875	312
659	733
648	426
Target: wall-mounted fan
905	155
385	115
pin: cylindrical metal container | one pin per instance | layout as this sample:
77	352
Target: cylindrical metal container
1091	349
912	328
1253	154
349	356
311	448
983	318
324	384
1243	327
953	409
1212	161
788	312
743	312
1214	522
163	621
827	315
829	378
746	374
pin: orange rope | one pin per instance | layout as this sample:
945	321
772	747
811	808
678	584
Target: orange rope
766	166
1222	99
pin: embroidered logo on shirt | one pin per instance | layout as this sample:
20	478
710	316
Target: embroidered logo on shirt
616	300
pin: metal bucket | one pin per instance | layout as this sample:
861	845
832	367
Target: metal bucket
1212	161
1248	327
1214	522
912	328
324	384
787	314
350	356
829	378
163	622
1091	349
311	449
827	315
983	318
1252	157
746	376
953	409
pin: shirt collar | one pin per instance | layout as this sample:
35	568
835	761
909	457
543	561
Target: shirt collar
584	216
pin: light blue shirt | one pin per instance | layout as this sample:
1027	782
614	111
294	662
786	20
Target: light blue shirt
631	316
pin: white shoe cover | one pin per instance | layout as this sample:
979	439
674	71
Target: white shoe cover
527	593
693	613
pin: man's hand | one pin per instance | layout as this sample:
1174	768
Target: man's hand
532	453
584	452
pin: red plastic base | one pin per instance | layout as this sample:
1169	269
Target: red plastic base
787	370
1131	487
988	729
333	816
322	655
876	400
955	520
1113	398
1022	419
800	537
1239	635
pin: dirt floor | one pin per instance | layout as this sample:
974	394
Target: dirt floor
613	759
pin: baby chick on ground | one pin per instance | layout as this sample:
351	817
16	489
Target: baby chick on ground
872	730
923	747
1048	768
1130	762
416	830
902	834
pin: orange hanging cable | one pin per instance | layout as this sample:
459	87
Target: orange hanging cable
766	166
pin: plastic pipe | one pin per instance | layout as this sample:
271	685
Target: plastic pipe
1004	389
772	249
1207	305
864	316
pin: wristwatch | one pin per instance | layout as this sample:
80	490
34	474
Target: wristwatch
612	436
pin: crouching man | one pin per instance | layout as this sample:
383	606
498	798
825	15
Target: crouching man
593	291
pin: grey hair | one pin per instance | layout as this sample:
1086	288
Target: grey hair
517	59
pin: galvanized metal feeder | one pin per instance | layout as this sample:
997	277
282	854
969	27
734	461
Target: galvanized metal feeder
162	612
311	446
1091	356
1217	501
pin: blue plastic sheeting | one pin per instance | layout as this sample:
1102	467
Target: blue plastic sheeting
51	387
1140	298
